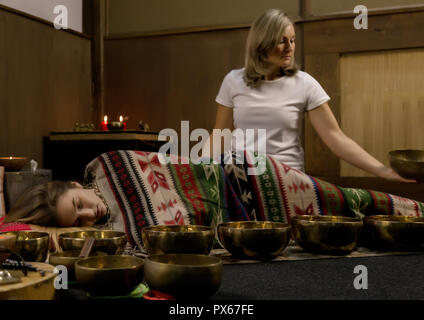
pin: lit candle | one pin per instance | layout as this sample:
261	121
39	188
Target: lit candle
103	125
121	119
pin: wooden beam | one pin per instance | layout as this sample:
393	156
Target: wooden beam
385	32
97	54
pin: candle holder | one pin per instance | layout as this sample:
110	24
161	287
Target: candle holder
13	163
115	126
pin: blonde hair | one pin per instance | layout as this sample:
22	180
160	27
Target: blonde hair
264	35
37	205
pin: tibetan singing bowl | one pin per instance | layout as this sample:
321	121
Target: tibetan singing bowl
394	232
115	275
13	163
254	239
408	163
31	245
178	239
184	275
334	235
111	242
68	259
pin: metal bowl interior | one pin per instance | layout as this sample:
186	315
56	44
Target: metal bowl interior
14	164
192	239
261	240
334	235
184	275
31	245
113	275
111	242
394	232
408	163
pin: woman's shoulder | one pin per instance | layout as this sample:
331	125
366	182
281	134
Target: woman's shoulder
235	74
304	76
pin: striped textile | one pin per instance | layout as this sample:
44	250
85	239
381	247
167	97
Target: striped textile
282	192
143	191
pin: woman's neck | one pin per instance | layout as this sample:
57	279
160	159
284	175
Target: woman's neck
278	73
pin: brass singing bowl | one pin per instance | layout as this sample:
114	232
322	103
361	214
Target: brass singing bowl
14	164
408	163
178	239
334	235
31	245
7	244
68	259
254	239
111	242
184	275
394	232
115	275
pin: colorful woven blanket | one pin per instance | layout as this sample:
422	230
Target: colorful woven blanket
282	192
141	190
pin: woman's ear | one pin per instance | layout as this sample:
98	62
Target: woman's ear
76	184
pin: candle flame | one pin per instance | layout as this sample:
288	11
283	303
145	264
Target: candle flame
105	119
11	158
121	118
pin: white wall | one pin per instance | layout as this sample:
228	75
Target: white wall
44	9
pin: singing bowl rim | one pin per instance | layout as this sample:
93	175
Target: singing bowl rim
60	255
216	260
393	219
80	264
242	225
68	235
394	155
314	219
161	229
41	235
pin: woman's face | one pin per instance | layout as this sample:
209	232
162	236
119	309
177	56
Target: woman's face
283	54
79	207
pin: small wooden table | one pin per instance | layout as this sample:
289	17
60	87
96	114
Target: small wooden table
68	153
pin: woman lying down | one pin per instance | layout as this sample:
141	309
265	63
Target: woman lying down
128	190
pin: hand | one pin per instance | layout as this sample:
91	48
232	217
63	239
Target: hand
390	174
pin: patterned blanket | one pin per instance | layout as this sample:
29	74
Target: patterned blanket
142	190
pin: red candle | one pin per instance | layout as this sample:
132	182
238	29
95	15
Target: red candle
121	119
103	125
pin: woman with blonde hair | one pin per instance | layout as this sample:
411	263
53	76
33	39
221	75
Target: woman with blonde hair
59	204
271	93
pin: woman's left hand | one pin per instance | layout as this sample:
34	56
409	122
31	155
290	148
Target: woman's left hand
390	174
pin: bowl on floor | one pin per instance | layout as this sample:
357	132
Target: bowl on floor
191	276
254	239
336	235
192	239
394	232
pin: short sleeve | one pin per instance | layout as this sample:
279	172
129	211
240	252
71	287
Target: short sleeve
225	96
315	95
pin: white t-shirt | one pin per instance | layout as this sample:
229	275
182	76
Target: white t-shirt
277	106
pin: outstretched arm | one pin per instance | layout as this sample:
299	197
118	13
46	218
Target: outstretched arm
325	124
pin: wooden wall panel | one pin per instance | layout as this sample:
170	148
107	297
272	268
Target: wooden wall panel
165	79
319	160
45	83
383	102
